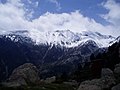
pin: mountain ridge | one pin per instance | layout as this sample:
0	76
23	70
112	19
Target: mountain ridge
63	38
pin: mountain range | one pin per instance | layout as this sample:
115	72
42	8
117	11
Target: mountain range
64	38
53	52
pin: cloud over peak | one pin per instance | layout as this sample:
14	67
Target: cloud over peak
14	15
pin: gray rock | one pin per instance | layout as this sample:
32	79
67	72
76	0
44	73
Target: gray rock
94	84
89	87
106	72
117	72
117	65
107	78
27	71
117	87
71	83
50	80
100	84
105	82
23	75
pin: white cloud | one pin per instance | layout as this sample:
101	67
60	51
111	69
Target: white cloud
16	3
74	21
113	15
13	17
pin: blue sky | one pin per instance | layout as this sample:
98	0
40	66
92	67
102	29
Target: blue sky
91	8
94	15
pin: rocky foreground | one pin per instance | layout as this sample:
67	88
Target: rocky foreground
26	77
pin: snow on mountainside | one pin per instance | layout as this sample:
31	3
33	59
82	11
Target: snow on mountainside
116	40
17	36
101	40
64	38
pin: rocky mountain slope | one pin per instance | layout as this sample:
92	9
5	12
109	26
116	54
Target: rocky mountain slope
52	52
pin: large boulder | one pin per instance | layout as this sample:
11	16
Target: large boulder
106	81
90	85
107	78
23	75
117	87
117	72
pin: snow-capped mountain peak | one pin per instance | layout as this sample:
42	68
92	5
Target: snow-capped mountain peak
68	38
65	38
101	40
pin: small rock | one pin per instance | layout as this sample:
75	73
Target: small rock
89	87
117	65
106	72
50	80
72	83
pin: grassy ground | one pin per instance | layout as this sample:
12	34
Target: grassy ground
42	87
